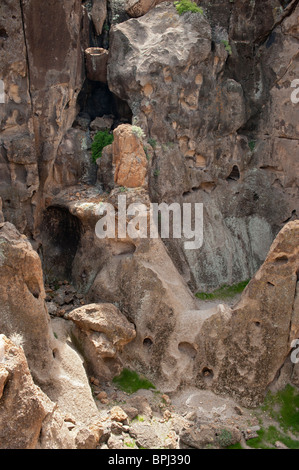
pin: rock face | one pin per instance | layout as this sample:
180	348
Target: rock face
22	310
54	365
128	157
42	75
246	346
102	331
209	145
28	419
136	8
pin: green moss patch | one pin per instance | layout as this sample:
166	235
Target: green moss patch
129	381
224	292
283	406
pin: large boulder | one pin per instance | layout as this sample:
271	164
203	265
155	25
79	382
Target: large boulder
101	331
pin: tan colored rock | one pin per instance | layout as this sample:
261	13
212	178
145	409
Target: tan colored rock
246	346
118	414
128	157
136	8
102	331
89	437
96	64
22	304
28	419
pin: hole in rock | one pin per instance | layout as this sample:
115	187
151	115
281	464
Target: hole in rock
96	100
281	260
61	234
3	33
207	373
234	174
188	349
33	287
257	323
147	343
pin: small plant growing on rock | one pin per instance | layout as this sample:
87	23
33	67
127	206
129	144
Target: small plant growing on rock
101	140
186	5
224	439
227	46
152	142
138	132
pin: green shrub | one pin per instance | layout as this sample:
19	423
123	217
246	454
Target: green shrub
101	140
187	5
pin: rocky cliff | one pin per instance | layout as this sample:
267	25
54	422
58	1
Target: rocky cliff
202	107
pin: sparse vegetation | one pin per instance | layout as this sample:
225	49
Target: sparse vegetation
251	145
283	406
227	46
129	381
138	132
101	140
186	5
224	438
152	143
224	292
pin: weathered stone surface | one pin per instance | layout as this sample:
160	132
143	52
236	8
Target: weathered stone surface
202	436
54	365
128	157
102	331
105	173
136	8
222	89
101	123
22	306
245	347
73	160
96	63
42	77
28	419
118	414
99	14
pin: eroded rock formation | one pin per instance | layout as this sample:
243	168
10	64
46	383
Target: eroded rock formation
200	109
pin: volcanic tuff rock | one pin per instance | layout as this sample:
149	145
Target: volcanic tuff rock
129	157
246	346
28	418
219	138
42	75
102	331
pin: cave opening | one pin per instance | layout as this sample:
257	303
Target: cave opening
96	100
61	234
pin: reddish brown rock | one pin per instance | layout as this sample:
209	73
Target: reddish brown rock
128	157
